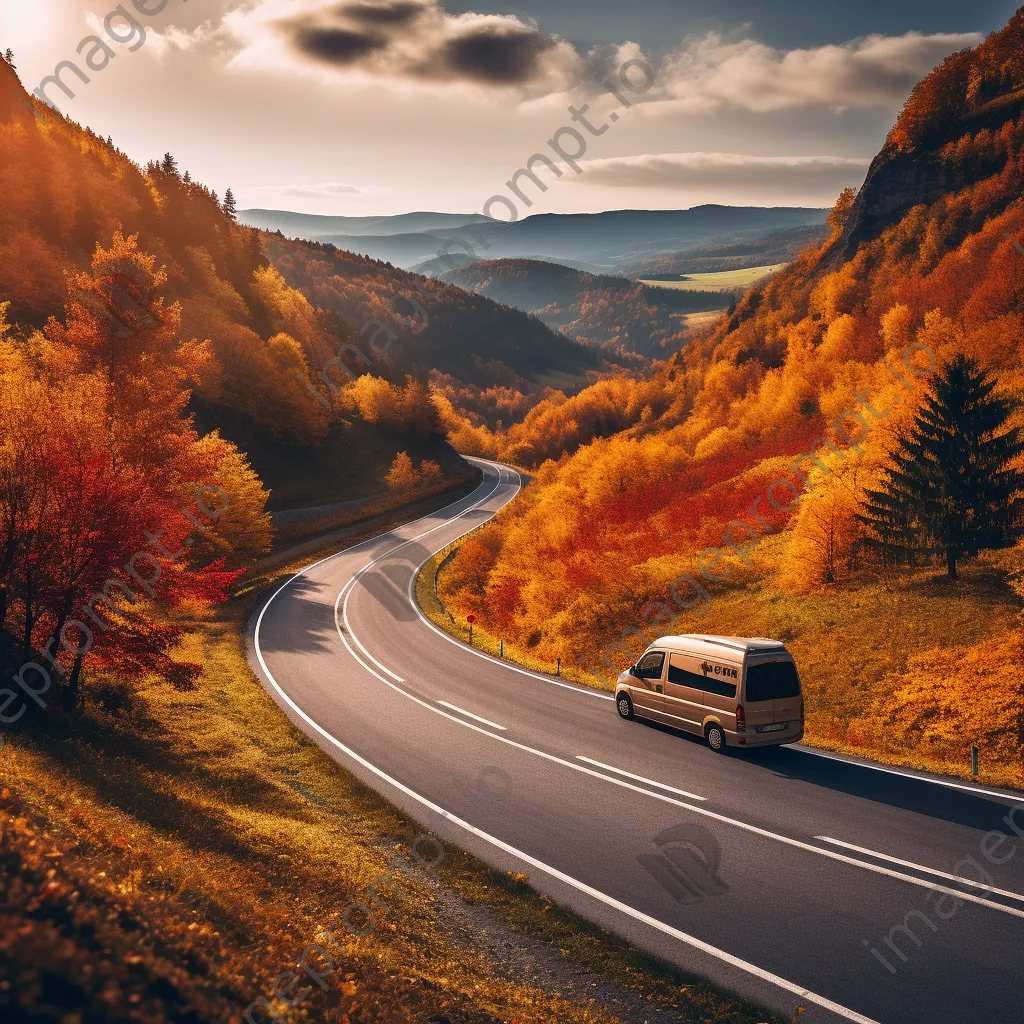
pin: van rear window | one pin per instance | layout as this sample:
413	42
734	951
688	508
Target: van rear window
773	681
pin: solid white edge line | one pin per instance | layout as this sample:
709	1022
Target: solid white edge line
977	790
569	880
640	778
921	867
469	714
583	691
351	584
787	840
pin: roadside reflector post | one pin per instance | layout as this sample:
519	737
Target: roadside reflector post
471	619
558	666
501	648
974	761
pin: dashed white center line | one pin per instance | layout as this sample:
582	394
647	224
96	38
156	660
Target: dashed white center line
639	778
469	714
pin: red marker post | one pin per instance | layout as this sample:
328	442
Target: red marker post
471	619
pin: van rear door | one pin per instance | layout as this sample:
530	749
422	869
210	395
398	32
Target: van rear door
772	691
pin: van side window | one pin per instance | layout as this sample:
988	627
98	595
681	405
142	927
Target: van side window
719	687
709	684
776	680
649	666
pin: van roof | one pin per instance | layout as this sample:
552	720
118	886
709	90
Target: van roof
740	644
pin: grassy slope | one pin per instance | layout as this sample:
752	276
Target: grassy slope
722	280
168	860
938	669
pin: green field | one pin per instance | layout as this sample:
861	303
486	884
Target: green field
722	281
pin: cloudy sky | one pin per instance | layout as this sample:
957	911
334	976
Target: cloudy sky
385	106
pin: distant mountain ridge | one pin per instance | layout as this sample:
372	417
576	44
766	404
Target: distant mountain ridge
596	242
318	226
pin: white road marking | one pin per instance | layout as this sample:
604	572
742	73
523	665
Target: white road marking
347	589
787	840
640	778
977	790
920	867
575	883
469	714
778	837
583	691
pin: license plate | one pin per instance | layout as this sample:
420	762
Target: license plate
777	727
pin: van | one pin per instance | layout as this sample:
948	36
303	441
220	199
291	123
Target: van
733	691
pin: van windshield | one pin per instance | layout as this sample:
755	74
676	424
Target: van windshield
774	681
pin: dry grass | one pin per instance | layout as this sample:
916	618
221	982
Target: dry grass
169	861
905	668
483	639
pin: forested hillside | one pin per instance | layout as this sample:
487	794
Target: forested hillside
159	380
613	314
729	493
414	325
284	326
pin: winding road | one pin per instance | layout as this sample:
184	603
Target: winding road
791	877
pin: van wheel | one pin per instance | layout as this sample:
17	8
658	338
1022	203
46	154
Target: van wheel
624	705
715	736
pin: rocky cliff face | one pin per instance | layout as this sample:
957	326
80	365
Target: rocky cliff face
971	92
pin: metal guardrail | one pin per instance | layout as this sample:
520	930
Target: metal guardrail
437	572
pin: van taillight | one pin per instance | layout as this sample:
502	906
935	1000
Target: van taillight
741	721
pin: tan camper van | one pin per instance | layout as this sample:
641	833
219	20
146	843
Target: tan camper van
733	691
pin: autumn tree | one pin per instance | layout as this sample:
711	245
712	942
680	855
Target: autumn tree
110	503
952	484
402	476
117	323
826	534
841	211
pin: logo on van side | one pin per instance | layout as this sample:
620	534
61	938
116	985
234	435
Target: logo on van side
708	669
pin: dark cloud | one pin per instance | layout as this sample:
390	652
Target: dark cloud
397	12
335	45
496	56
418	39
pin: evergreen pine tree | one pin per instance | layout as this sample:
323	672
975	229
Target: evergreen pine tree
951	487
9	57
228	206
169	165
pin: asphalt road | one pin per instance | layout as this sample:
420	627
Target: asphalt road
790	877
